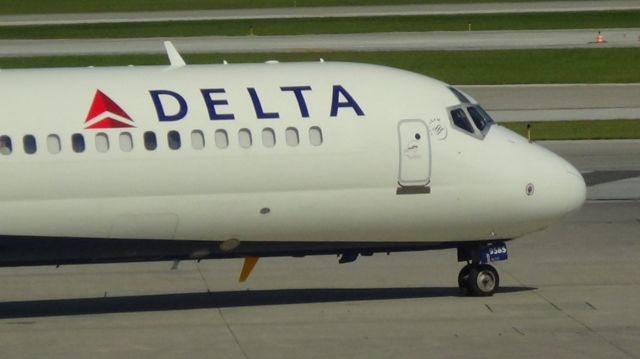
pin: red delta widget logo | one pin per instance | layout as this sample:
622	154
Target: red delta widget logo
106	113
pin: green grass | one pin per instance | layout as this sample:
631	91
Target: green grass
579	130
59	6
602	65
524	21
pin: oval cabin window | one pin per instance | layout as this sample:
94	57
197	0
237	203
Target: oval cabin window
222	140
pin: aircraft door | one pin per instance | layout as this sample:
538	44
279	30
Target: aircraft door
415	154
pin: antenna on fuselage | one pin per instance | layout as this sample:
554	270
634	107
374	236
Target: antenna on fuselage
175	60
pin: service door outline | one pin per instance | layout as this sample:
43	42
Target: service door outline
415	154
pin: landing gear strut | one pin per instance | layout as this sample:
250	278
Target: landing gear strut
478	280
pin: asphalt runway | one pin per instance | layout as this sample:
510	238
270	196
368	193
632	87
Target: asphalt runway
558	102
570	292
405	41
320	11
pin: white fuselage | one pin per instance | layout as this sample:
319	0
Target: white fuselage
338	182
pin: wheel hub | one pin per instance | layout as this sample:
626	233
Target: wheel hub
486	281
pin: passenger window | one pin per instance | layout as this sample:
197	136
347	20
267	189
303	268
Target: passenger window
174	139
460	120
222	140
150	141
126	142
291	135
5	145
315	136
102	142
77	143
53	144
197	139
29	143
244	138
268	137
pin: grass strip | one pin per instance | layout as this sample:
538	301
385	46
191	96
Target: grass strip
578	130
547	66
352	25
74	6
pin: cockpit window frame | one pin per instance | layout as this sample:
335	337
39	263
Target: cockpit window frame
477	133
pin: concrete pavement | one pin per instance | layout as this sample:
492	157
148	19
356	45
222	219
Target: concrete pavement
320	11
558	102
411	41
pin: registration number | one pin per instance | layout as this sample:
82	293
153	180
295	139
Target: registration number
493	252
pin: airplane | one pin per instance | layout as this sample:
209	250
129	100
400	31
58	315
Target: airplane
192	162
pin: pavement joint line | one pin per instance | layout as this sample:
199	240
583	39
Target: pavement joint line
584	325
204	280
233	334
556	307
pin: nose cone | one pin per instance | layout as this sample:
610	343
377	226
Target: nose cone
564	186
547	186
575	190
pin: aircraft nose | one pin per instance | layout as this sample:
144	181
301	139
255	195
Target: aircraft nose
575	189
567	190
560	187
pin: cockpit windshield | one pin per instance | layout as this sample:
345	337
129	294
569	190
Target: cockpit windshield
479	116
480	119
467	109
460	120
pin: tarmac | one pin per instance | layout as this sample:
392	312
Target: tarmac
318	11
558	102
570	292
401	41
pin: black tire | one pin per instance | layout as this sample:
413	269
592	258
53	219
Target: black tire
483	280
463	279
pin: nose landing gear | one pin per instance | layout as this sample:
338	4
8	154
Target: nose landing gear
478	280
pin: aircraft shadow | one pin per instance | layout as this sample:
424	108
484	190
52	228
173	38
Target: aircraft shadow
183	301
599	177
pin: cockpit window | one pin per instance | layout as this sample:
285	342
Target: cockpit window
459	95
480	117
460	120
485	115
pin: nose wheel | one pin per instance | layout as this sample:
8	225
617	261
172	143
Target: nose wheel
478	280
